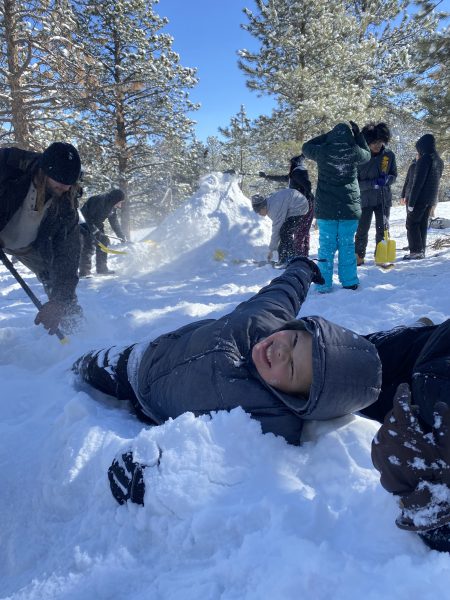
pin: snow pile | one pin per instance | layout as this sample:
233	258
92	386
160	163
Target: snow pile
229	512
216	224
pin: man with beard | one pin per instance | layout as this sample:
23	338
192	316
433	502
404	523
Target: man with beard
39	224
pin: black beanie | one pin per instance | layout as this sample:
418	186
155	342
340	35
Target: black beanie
116	196
61	162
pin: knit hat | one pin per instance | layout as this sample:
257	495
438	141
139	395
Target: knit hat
258	202
61	162
116	196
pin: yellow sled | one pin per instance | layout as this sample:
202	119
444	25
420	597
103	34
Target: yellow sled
386	250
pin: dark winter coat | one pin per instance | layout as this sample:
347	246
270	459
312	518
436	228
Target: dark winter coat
427	174
207	366
97	209
380	164
57	240
407	186
337	154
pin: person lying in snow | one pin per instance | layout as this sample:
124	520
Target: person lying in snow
280	369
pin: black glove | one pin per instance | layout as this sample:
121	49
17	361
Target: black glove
415	464
126	479
262	174
317	275
50	315
355	128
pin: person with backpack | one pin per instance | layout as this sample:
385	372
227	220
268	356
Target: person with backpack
423	195
95	211
375	178
337	202
39	224
298	179
284	208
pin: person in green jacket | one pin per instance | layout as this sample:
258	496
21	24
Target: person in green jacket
337	205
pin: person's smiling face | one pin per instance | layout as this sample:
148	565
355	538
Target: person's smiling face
284	361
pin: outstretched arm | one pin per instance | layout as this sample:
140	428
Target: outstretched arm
280	300
115	225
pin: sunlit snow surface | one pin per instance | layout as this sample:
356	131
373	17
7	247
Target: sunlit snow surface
229	513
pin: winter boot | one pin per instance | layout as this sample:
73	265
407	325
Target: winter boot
359	260
105	271
414	256
126	479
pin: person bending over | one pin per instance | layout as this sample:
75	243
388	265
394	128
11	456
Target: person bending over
285	209
39	224
95	211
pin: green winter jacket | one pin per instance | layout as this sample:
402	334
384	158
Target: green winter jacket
337	154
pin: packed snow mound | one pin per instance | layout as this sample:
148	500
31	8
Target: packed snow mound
216	224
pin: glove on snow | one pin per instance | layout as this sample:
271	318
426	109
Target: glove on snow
415	464
126	479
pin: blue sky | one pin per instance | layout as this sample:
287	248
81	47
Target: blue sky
207	35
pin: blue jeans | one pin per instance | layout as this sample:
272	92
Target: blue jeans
337	236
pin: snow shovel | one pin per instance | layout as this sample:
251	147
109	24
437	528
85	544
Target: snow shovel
385	252
34	299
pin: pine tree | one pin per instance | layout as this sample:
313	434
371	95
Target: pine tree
135	89
37	53
326	61
432	84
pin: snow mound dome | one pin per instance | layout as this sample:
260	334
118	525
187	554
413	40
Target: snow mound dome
217	223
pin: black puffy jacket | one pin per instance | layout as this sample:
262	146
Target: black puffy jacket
427	173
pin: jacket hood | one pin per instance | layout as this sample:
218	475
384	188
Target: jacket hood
341	132
346	371
426	144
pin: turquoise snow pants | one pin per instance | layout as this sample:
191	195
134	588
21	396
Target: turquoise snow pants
337	236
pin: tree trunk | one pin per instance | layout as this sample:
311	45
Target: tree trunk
18	112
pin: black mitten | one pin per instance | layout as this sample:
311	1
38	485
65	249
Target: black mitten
317	275
126	479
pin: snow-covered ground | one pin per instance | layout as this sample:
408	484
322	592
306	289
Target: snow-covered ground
229	513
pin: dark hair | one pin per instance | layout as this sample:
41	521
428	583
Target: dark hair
258	202
376	131
383	133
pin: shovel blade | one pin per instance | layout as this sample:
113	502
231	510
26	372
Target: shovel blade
381	252
391	250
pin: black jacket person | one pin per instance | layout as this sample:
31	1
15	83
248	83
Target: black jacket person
423	195
95	211
39	223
